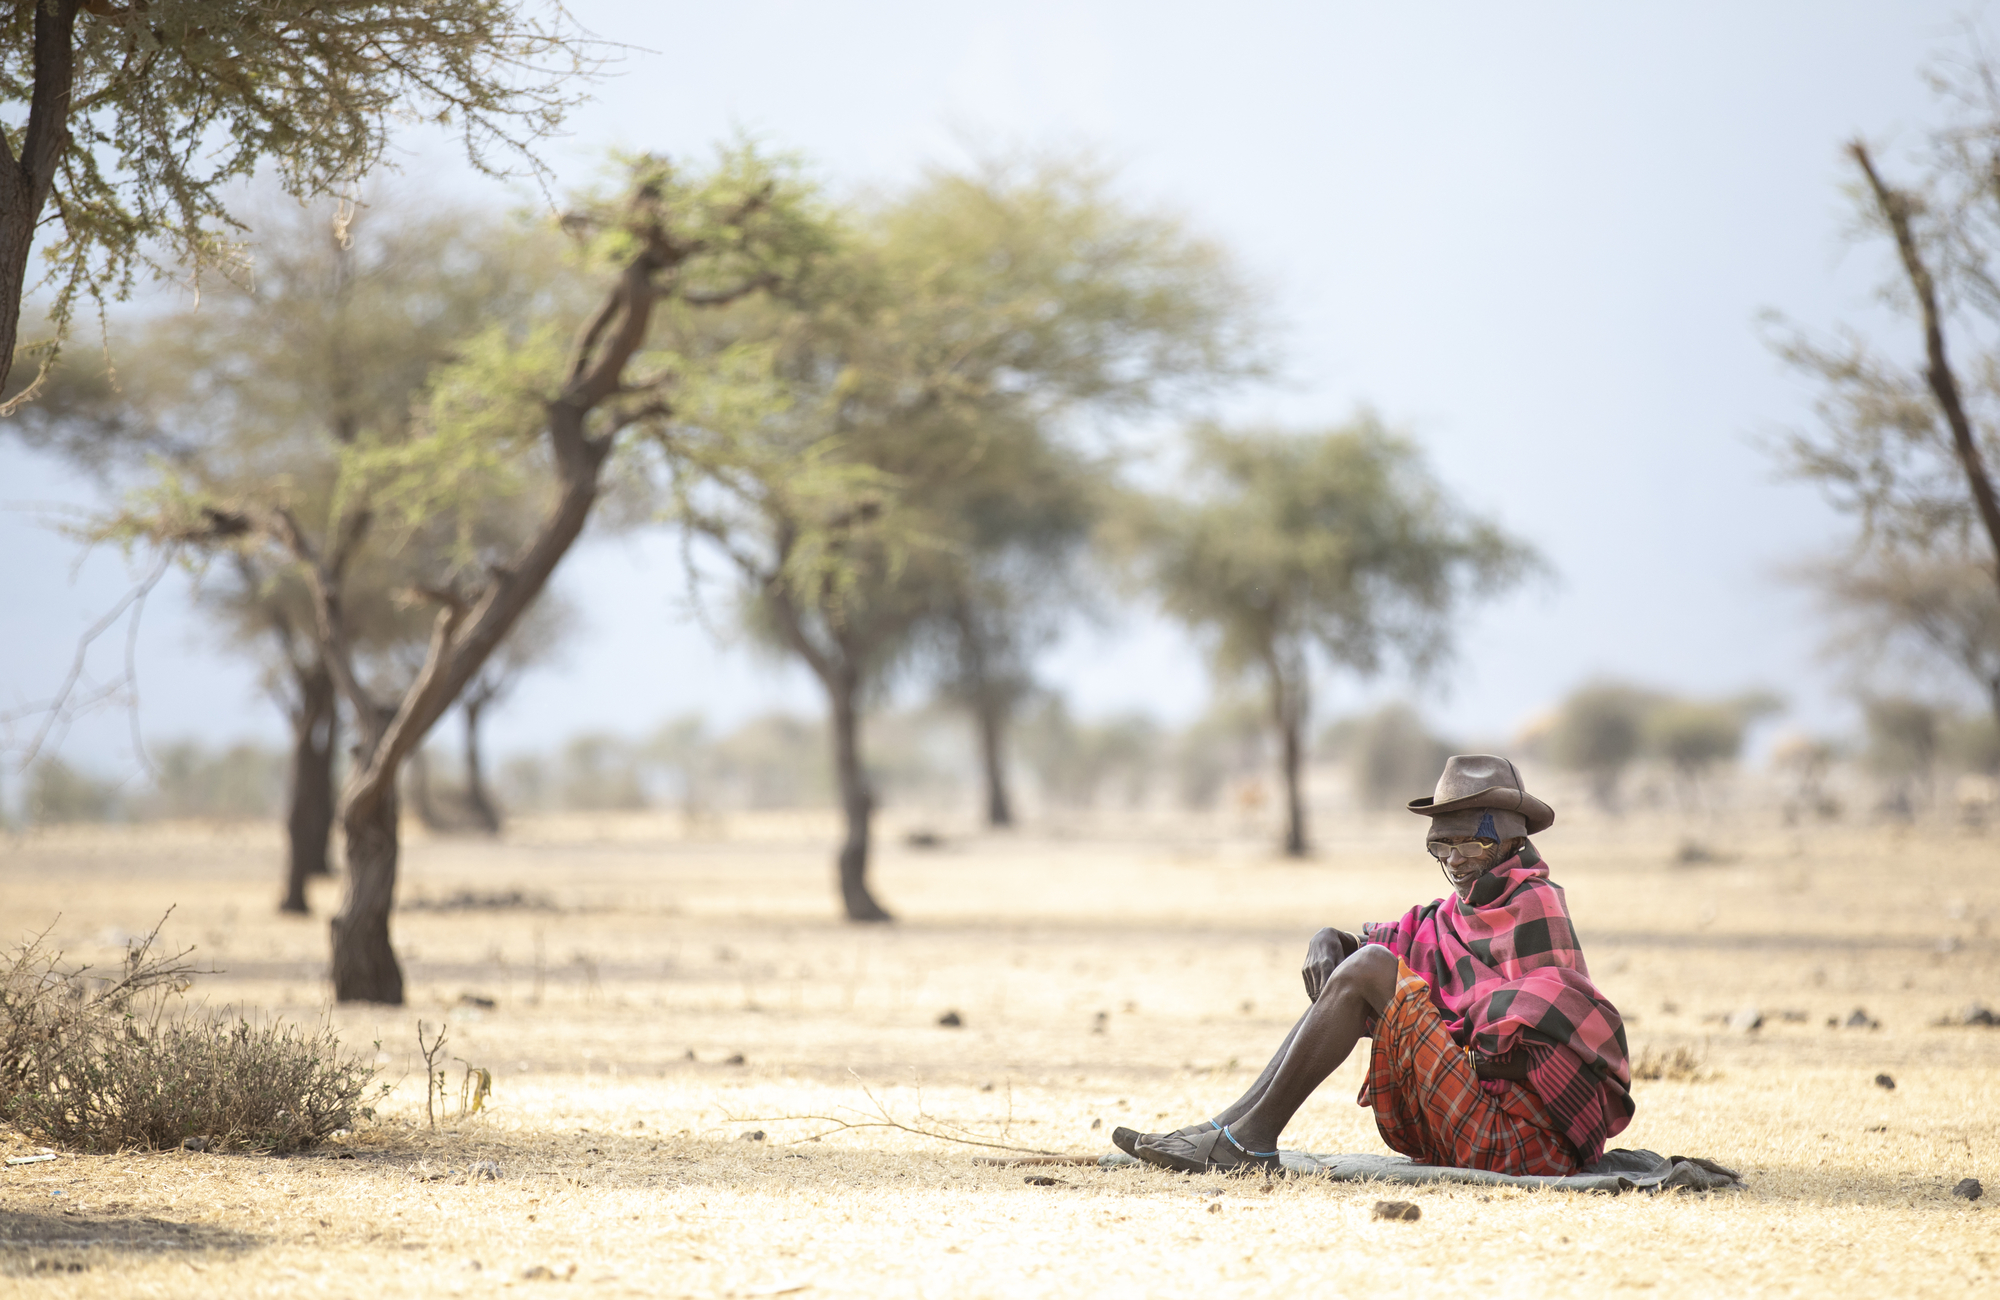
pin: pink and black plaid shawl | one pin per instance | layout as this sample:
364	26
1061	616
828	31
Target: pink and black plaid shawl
1505	972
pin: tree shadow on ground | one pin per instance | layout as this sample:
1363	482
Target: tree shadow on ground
34	1244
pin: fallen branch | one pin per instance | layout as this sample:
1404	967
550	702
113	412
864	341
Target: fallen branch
884	1118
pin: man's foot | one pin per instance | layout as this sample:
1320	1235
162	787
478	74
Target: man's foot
1127	1139
1214	1151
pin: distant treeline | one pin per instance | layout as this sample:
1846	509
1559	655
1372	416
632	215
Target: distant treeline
1632	748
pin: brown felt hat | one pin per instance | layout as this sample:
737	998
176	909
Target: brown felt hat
1485	781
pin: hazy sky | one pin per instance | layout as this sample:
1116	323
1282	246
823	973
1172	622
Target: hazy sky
1537	236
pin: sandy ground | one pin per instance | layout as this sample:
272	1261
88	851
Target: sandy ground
657	998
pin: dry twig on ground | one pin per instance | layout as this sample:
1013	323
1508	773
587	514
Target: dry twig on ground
884	1118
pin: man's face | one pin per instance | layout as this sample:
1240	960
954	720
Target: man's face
1465	858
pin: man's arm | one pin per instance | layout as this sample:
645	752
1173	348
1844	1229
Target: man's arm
1327	950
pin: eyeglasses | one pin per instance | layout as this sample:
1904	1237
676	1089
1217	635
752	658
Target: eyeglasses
1467	849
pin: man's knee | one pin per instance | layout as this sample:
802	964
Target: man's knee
1369	974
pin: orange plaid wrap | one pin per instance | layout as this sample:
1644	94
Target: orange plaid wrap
1430	1106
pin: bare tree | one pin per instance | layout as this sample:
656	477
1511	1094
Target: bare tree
1907	446
1896	610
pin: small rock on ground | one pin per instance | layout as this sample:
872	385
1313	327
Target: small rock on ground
484	1169
1403	1211
951	1020
1969	1188
1745	1019
1885	1081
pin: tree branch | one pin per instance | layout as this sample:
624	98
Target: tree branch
61	708
330	616
723	297
1895	208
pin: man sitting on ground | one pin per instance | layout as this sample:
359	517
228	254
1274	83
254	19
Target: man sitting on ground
1492	1048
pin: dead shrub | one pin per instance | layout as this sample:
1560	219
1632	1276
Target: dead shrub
1677	1066
101	1062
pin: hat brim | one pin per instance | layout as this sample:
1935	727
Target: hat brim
1537	814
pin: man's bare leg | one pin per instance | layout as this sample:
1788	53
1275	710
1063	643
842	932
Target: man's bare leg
1241	1106
1359	987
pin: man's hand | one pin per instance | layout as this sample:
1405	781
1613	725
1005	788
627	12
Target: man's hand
1327	950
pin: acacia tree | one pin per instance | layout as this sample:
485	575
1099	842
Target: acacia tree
1338	544
353	310
516	410
917	481
1021	523
1064	308
128	122
825	548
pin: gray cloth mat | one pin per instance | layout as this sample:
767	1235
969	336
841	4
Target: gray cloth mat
1616	1171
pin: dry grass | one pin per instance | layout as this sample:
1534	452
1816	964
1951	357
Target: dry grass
1149	992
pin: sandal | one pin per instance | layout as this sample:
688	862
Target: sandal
1128	1139
1216	1151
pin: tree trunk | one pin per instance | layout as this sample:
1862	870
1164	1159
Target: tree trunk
467	632
990	718
26	178
857	803
477	801
365	968
419	768
309	826
17	236
1288	715
1295	805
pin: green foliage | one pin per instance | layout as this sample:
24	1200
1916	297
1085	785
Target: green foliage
173	102
911	468
1340	541
470	455
1338	545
